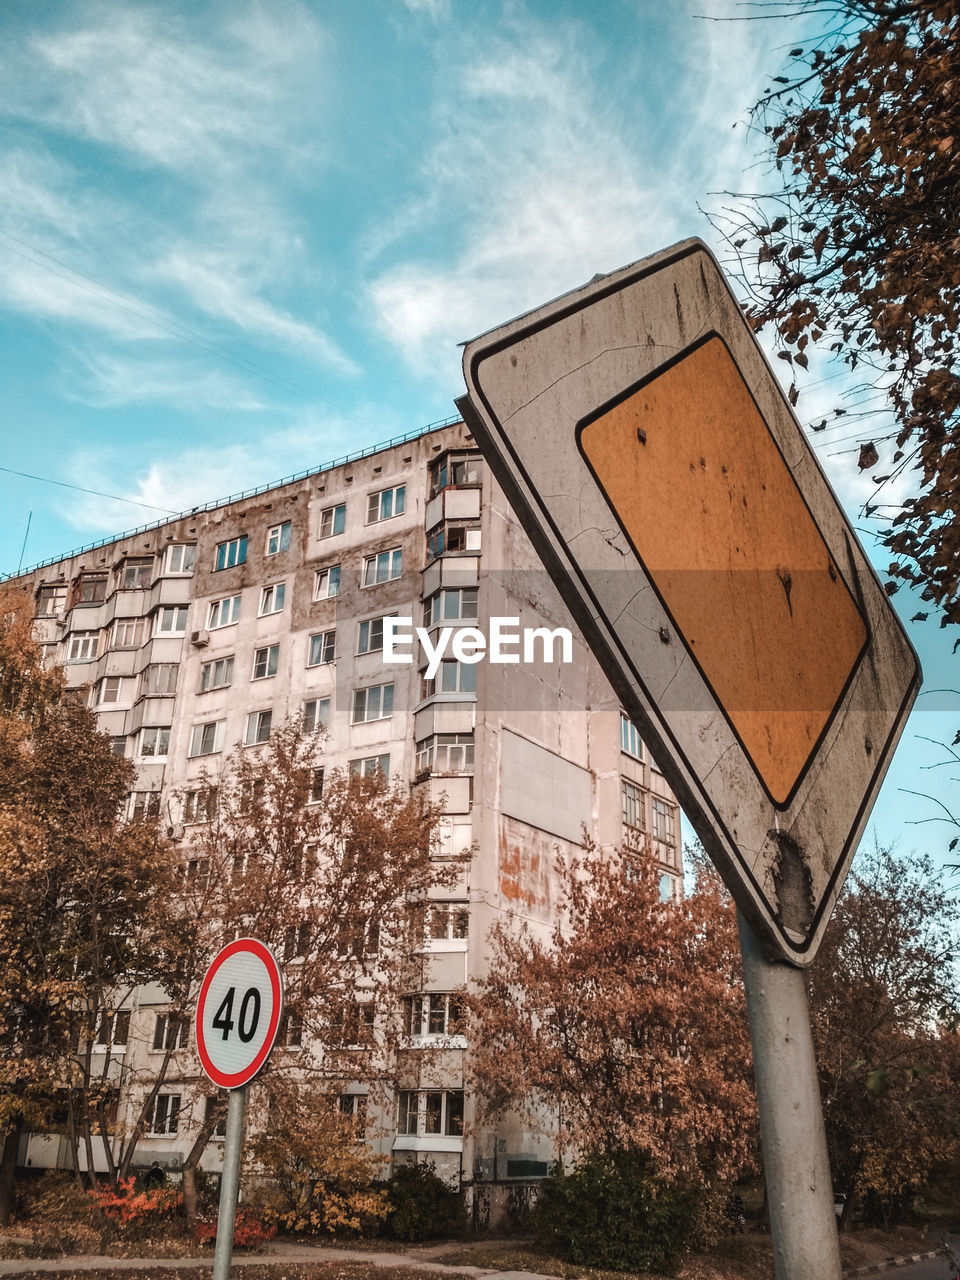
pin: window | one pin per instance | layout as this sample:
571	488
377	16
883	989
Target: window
118	745
216	1103
454	471
144	805
265	662
296	941
447	920
92	588
316	715
207	739
258	728
373	703
435	1013
165	1116
667	888
154	741
430	1111
386	503
631	800
321	648
113	1027
291	1031
197	873
332	520
370	634
159	679
129	633
134	575
454	537
271	599
383	567
326	584
450	605
232	552
216	675
200	806
181	557
664	820
278	538
629	738
353	1105
223	612
170	620
111	689
358	1024
371	766
252	794
83	646
50	601
445	753
170	1032
454	677
316	786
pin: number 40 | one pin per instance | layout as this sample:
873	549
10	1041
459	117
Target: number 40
248	1019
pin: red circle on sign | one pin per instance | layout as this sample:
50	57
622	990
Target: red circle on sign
234	1080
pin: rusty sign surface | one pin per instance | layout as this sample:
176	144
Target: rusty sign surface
658	468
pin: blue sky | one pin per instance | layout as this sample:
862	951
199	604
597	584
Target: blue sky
239	239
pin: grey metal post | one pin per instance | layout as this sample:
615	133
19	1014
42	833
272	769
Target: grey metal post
229	1184
802	1219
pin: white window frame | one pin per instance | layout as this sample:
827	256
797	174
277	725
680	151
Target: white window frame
266	662
411	1121
326	583
272	599
197	734
337	516
328	641
133	629
373	702
369	766
181	564
316	715
435	606
83	646
223	613
162	691
178	616
141	567
234	553
386	503
663	820
210	682
111	685
165	1115
161	749
632	799
144	805
258	728
278	538
200	805
383	566
630	741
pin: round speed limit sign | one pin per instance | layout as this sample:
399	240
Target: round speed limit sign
238	1012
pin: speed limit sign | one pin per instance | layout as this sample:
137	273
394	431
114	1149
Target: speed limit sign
238	1012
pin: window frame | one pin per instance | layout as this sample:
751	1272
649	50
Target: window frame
330	576
208	685
338	517
392	558
393	497
375	697
218	612
263	723
266	662
218	727
272	599
225	558
327	639
281	534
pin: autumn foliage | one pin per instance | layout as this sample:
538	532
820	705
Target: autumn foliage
858	252
627	1022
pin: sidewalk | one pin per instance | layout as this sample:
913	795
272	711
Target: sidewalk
274	1253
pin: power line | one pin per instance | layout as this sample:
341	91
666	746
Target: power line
96	492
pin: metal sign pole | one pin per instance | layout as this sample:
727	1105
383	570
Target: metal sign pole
799	1191
229	1184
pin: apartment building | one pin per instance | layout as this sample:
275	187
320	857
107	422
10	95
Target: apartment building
205	631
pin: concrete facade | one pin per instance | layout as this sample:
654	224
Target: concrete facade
205	631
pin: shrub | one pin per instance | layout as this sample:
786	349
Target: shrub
421	1204
614	1212
249	1229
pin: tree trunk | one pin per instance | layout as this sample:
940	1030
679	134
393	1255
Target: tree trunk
190	1164
8	1164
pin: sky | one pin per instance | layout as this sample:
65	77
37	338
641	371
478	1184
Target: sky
238	240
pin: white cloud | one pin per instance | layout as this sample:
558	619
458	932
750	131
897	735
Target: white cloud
435	9
107	380
533	168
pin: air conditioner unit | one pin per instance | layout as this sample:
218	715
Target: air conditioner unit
199	638
175	832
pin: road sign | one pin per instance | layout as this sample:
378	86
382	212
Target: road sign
657	466
238	1012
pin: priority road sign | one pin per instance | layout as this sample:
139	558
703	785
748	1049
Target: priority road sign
238	1012
657	466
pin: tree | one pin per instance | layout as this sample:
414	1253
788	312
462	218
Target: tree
327	870
81	894
884	1000
858	252
628	1021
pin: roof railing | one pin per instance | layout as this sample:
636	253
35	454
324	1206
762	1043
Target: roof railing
239	497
